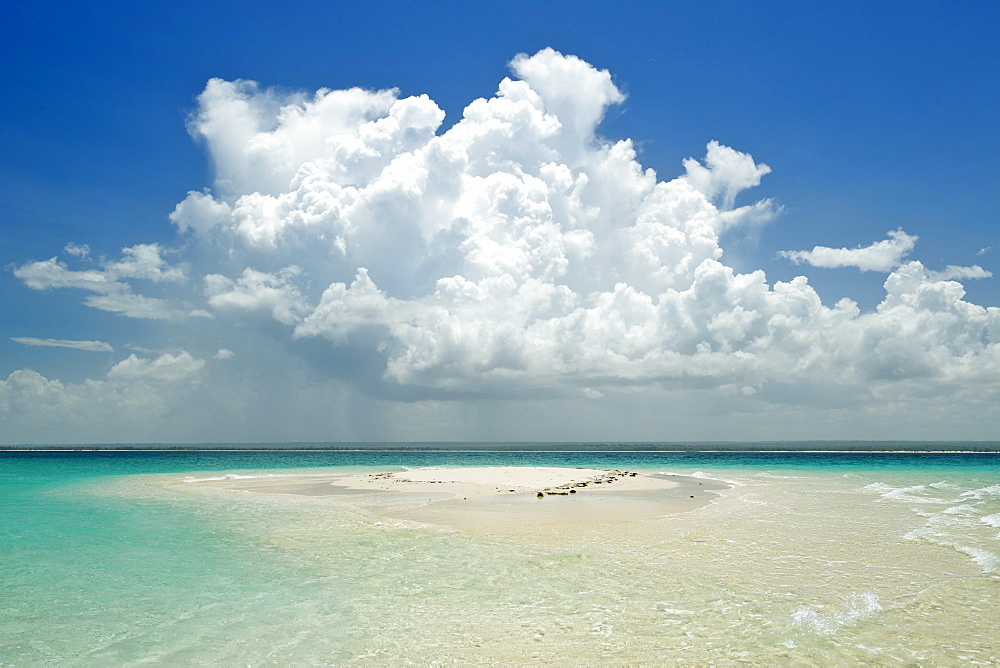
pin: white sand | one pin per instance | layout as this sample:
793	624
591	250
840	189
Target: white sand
499	476
492	497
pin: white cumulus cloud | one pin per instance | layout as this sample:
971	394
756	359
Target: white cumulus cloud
166	367
882	255
78	250
143	261
255	290
519	251
135	393
725	173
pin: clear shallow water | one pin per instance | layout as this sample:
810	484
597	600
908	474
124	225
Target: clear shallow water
810	558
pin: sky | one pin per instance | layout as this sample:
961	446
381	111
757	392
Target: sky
669	221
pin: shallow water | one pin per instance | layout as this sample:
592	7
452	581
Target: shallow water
810	558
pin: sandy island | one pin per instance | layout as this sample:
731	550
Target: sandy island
491	497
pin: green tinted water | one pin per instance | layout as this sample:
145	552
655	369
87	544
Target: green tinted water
812	558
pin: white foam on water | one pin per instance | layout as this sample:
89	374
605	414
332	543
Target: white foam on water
960	526
877	487
982	492
901	494
939	527
234	476
857	606
986	560
705	476
964	509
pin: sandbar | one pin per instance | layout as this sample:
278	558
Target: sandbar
491	496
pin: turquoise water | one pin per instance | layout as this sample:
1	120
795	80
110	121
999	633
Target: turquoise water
809	558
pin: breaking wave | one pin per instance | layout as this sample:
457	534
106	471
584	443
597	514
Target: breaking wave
856	607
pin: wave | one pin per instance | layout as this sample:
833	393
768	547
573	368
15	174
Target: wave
857	606
982	492
903	494
235	476
988	561
963	509
705	476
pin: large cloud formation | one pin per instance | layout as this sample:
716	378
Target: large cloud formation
518	250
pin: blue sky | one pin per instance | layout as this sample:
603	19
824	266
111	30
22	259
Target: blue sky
872	117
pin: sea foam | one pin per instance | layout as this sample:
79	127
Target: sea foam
982	492
234	476
903	494
987	560
856	606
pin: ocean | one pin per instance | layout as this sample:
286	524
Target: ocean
809	558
